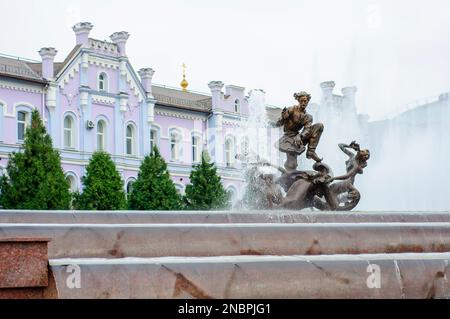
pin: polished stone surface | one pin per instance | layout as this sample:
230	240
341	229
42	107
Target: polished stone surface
146	240
182	217
331	276
23	262
232	255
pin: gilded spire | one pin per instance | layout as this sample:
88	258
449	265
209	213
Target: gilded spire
184	84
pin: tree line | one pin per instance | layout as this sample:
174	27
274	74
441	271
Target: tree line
34	179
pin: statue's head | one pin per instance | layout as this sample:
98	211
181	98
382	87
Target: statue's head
303	98
363	155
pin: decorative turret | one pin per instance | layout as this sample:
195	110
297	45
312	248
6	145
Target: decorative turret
82	30
349	93
216	92
327	89
48	57
146	75
120	39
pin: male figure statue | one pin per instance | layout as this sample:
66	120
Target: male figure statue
298	132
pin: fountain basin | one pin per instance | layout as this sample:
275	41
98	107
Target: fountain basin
157	240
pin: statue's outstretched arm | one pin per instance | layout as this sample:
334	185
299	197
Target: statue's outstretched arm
350	174
344	148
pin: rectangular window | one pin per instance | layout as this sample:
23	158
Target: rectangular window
173	150
21	131
100	146
194	149
129	146
67	138
21	125
152	139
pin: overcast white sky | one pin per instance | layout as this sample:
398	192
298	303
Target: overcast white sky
394	51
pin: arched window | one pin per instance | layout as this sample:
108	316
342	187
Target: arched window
175	145
72	182
237	106
69	134
130	186
233	193
103	82
154	139
23	119
130	140
101	135
196	148
229	152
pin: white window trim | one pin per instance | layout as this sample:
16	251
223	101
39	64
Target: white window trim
105	82
199	146
157	129
74	132
233	189
179	142
232	139
27	110
104	135
76	179
129	180
134	144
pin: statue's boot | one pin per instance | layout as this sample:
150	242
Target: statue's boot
316	133
311	154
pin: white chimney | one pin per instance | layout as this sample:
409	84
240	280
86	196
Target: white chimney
48	58
82	30
146	75
120	39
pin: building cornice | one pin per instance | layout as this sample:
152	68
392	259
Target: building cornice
180	115
102	99
20	87
103	62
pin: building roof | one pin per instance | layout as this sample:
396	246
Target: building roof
196	101
19	68
29	69
58	66
187	100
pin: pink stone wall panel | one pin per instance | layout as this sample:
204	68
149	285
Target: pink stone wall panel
69	96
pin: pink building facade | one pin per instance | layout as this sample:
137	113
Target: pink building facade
96	100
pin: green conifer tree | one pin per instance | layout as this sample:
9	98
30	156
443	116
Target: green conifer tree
206	192
103	186
34	178
153	189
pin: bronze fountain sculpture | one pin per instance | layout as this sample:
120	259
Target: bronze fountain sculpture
316	188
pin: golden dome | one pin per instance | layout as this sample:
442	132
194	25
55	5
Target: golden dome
184	84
